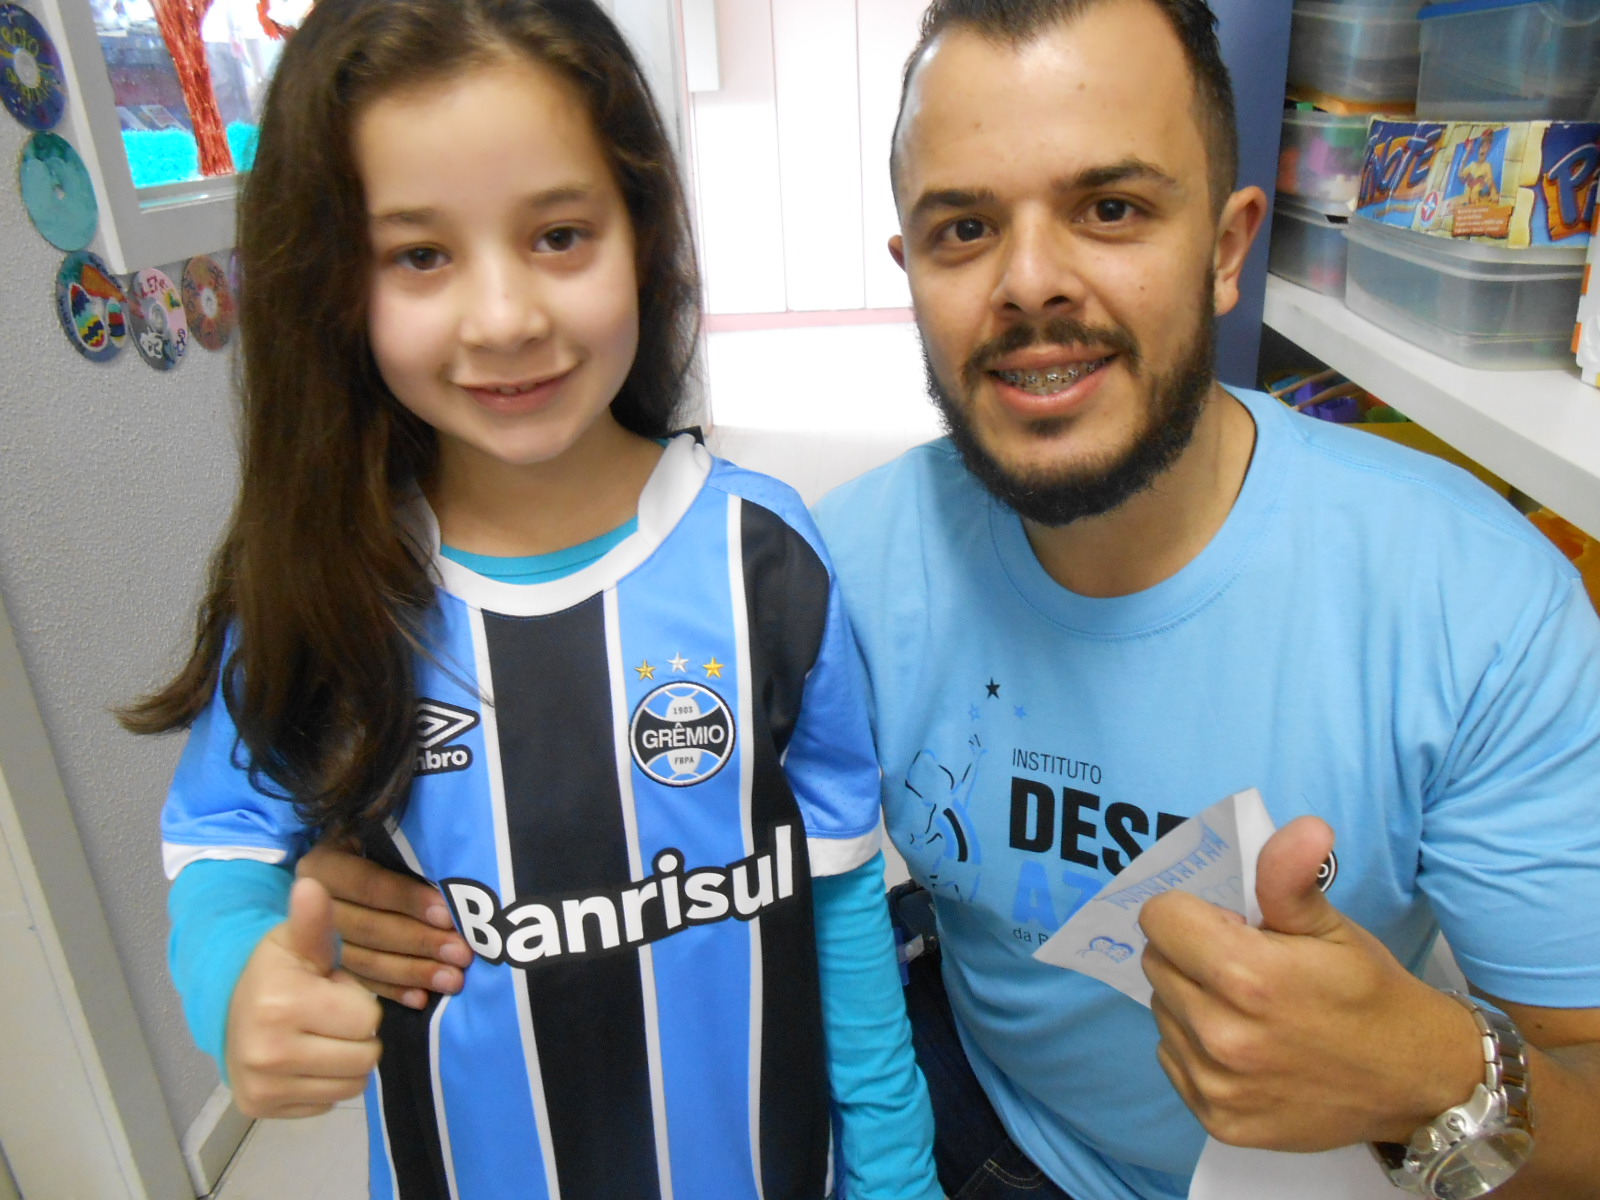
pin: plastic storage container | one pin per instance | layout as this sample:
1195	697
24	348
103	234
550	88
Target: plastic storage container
1319	157
1509	60
1308	244
1477	305
1365	54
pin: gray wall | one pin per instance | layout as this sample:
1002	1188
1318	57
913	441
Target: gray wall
114	482
1255	45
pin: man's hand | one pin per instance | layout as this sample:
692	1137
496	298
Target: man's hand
399	940
302	1034
1305	1034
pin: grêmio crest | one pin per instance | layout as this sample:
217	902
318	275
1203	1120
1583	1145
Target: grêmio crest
682	734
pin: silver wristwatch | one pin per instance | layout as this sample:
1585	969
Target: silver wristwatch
1476	1146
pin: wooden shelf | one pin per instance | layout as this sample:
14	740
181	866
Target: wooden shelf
1538	430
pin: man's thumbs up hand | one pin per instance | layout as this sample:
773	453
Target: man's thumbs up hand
302	1034
1305	1034
1287	876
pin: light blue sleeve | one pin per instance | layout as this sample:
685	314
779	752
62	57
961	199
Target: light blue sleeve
213	808
886	1139
220	910
229	849
1511	841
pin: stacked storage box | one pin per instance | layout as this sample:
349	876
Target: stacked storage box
1469	237
1476	305
1472	221
1358	57
1347	59
1308	244
1510	60
1319	166
1320	155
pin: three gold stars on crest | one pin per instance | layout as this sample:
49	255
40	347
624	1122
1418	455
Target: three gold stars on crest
680	665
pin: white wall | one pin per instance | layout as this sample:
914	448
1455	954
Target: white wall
114	482
791	155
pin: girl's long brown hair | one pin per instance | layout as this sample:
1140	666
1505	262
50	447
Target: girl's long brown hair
315	607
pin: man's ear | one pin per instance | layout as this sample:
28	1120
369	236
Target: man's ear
897	251
1241	219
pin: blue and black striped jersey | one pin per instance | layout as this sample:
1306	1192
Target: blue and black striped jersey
625	780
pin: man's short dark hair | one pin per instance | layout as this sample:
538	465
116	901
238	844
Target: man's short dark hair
1015	23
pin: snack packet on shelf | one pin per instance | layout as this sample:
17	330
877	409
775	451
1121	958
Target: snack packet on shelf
1514	185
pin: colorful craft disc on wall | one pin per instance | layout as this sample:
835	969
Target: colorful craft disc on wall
160	330
31	80
57	192
92	306
208	302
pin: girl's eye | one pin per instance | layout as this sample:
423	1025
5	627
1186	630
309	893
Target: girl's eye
420	258
560	239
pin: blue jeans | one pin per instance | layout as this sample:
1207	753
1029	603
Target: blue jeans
975	1157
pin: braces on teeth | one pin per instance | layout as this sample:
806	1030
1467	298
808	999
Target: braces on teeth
1053	378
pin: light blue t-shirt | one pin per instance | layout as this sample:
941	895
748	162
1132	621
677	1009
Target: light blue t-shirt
1372	637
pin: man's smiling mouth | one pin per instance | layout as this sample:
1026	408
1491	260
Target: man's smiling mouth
1051	380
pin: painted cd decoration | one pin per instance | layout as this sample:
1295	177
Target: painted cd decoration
92	306
31	80
160	330
57	192
208	302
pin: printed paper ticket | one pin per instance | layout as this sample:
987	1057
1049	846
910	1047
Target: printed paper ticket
1211	855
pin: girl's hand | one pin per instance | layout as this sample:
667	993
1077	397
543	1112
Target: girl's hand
399	940
302	1034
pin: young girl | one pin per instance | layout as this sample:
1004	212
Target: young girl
478	608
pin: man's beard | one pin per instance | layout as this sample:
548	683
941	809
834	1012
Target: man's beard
1069	494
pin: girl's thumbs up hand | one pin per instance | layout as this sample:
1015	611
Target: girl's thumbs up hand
302	1034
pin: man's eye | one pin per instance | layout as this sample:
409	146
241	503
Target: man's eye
1112	212
968	229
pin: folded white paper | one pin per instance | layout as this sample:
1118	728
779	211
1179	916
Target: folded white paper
1229	1173
1212	855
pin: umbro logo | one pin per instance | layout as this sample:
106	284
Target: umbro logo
438	723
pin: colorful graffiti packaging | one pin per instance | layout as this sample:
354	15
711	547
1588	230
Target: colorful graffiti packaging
1513	184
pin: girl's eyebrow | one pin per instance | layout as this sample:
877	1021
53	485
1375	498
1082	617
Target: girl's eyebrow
412	217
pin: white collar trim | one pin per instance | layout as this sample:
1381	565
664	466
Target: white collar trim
667	495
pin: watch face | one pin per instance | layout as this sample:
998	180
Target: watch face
1478	1166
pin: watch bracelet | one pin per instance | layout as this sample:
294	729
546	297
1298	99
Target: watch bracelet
1505	1057
1505	1070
